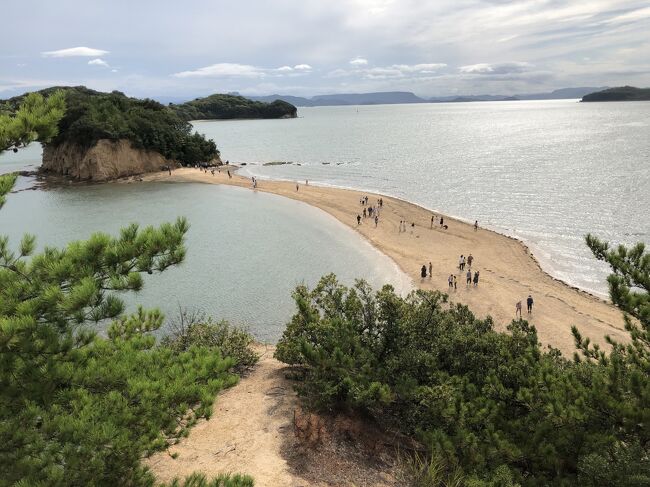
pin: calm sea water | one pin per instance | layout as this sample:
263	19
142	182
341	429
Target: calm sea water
548	172
246	251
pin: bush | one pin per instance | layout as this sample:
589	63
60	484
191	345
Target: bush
223	480
494	404
194	328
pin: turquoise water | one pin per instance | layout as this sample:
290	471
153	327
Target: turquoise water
246	250
548	172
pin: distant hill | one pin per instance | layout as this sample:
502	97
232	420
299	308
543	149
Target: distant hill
621	93
222	107
392	97
379	98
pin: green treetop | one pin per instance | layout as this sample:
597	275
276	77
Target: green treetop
78	407
36	120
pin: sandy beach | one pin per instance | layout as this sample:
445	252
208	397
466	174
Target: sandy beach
508	271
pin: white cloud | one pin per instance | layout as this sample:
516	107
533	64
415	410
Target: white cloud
75	52
419	68
223	70
496	68
359	61
113	70
234	70
98	62
388	72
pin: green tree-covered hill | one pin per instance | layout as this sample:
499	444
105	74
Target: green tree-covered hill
621	93
223	107
92	115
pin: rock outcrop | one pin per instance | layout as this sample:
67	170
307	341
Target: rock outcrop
103	161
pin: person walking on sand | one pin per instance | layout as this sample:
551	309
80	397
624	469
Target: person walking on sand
529	304
518	309
297	187
469	278
229	175
461	262
442	222
450	281
432	219
475	225
306	182
364	213
455	284
430	270
423	271
476	279
376	220
470	259
358	219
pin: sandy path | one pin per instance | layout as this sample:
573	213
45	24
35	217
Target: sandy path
508	272
245	433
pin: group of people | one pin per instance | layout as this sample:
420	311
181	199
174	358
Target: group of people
370	211
402	226
529	306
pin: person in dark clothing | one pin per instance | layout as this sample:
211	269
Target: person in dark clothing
442	222
358	219
529	304
423	271
476	279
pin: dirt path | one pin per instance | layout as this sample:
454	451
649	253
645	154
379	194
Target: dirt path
250	425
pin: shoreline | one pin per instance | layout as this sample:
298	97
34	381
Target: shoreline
528	246
508	269
590	292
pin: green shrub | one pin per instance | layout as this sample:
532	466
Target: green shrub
490	403
194	328
223	480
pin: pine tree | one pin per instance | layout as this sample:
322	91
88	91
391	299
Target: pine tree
78	407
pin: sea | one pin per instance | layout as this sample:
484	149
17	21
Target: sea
545	172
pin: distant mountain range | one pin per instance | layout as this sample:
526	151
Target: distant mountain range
393	97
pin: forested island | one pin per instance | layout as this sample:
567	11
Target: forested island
222	107
621	93
105	136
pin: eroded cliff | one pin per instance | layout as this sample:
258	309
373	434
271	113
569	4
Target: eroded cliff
103	161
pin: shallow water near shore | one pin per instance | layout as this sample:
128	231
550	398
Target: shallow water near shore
246	250
547	172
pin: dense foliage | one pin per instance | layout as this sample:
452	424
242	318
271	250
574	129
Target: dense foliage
621	93
78	408
223	480
191	328
36	119
92	115
221	107
491	406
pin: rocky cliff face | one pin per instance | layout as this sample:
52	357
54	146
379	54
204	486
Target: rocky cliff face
104	161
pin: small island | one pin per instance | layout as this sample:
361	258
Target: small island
621	93
105	136
224	107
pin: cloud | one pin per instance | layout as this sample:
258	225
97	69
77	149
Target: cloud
496	68
234	70
75	52
387	72
223	70
359	61
98	62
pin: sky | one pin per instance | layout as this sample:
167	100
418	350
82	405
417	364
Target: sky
191	48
